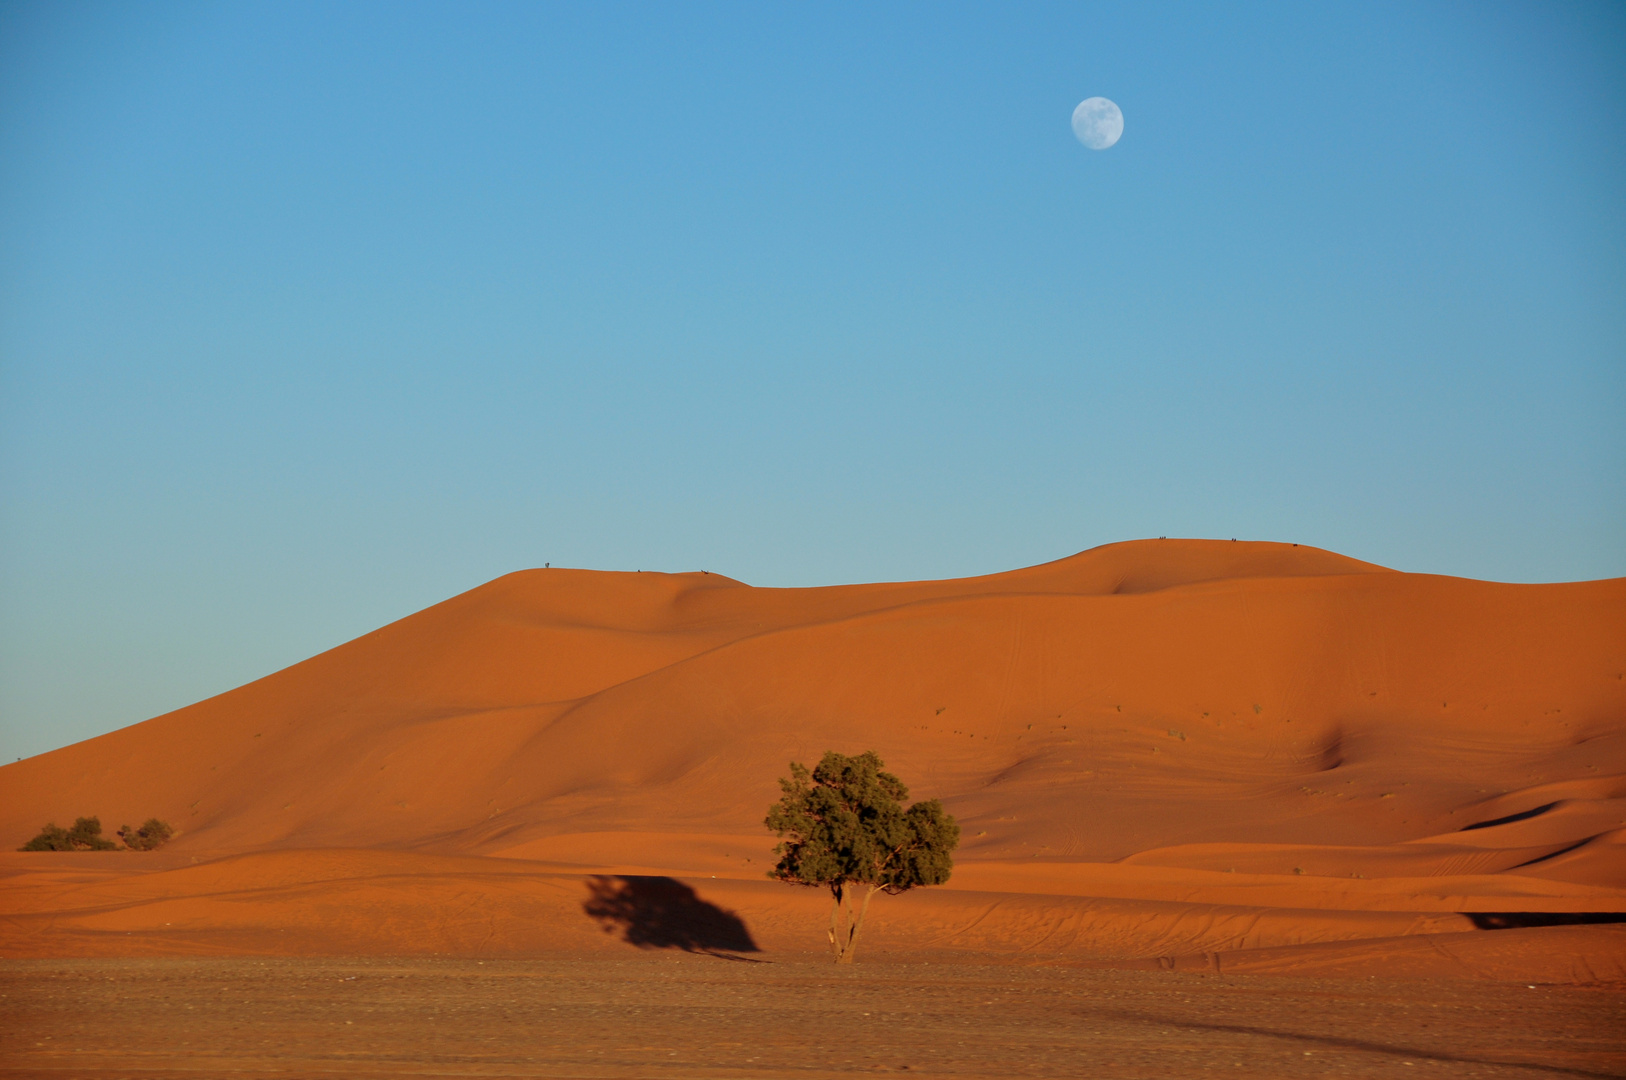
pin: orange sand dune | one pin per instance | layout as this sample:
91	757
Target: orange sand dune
1145	736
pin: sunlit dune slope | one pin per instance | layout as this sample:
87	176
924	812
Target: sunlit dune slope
1167	721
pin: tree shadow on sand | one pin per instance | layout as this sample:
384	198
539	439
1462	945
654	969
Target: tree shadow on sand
661	913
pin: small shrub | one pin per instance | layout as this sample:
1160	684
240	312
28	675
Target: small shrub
86	835
51	838
152	834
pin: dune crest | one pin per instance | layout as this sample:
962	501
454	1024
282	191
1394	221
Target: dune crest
1245	727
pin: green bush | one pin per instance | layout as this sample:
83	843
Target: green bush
51	838
86	835
151	835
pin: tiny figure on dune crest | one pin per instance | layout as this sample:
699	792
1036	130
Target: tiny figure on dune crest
843	824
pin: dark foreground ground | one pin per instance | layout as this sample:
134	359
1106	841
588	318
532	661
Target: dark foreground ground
662	1015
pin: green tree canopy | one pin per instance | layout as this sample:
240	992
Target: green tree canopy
844	824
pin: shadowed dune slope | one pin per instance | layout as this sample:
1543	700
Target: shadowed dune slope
1263	727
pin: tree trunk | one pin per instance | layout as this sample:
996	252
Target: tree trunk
858	925
838	931
845	937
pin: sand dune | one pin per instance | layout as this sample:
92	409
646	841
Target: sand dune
1154	744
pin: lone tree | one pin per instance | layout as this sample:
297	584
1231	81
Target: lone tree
844	824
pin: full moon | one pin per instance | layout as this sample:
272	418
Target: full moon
1098	123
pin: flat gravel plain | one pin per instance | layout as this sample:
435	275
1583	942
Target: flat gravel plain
685	1015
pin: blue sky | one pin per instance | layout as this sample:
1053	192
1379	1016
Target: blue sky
314	315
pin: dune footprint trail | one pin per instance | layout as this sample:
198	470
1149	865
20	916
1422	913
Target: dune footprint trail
1173	752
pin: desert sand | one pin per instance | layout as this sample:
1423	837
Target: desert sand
1203	756
674	1015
